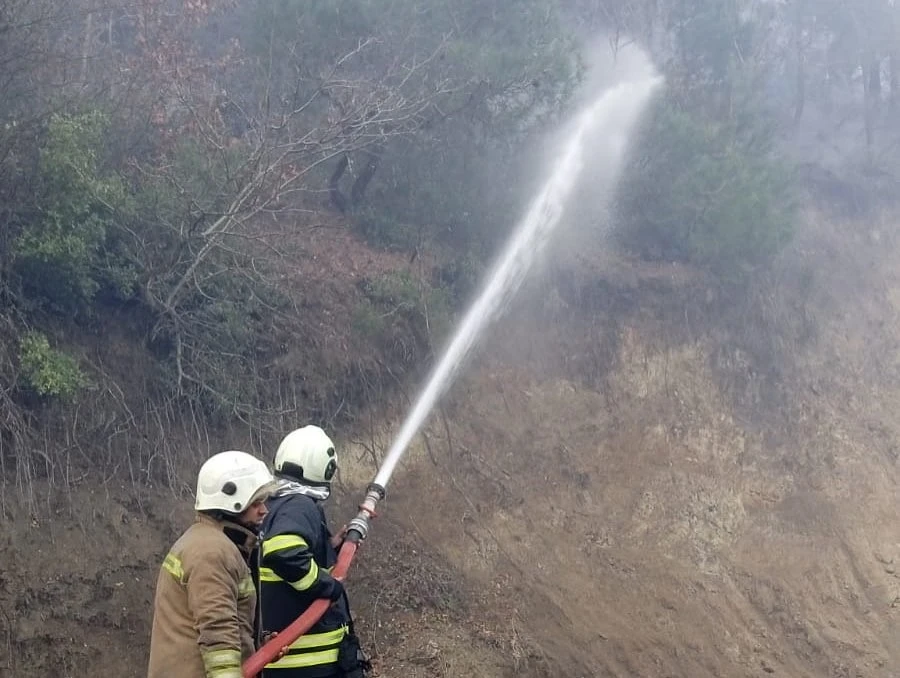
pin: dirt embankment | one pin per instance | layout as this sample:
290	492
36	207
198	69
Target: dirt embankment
637	478
676	485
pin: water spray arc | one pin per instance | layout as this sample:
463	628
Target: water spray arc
615	113
510	269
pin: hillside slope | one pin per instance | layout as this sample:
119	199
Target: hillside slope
675	488
635	477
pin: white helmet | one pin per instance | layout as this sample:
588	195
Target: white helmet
231	481
307	454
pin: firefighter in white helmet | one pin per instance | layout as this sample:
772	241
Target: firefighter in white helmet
298	553
205	617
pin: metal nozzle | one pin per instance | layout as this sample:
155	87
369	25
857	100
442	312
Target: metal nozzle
358	528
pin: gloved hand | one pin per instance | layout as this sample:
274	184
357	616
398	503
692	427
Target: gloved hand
336	592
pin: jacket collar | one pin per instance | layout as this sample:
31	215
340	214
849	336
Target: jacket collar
288	487
245	539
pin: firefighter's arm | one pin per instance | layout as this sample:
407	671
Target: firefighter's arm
212	597
287	557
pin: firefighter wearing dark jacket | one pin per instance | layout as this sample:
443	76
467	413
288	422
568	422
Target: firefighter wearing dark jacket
298	552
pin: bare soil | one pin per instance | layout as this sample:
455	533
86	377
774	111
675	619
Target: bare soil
637	477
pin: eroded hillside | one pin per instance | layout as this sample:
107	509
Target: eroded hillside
663	486
636	477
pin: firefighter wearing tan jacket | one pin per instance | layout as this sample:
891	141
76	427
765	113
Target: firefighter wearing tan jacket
205	610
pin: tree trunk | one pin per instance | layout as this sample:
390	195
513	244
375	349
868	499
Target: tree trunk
800	101
334	184
86	45
358	192
867	104
894	64
874	75
872	92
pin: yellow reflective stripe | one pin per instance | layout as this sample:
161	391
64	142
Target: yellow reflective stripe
231	672
267	574
172	565
314	640
281	542
222	663
309	579
246	588
296	661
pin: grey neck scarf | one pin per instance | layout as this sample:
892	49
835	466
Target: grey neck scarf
293	487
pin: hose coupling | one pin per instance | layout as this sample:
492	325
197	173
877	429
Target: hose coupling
358	528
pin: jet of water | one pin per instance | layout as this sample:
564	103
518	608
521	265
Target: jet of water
614	114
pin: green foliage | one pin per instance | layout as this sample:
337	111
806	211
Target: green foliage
488	74
711	36
386	230
47	371
395	300
704	184
461	276
59	252
397	290
486	45
122	277
707	192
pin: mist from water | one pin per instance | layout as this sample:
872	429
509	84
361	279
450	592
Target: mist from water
602	127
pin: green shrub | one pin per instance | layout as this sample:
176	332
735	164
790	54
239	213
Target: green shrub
398	289
49	372
706	192
427	310
461	277
59	250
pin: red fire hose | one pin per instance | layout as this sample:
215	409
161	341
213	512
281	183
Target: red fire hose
270	651
357	530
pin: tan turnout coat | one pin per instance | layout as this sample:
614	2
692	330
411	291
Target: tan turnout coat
205	605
